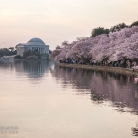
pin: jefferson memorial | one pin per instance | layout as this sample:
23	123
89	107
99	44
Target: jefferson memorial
33	44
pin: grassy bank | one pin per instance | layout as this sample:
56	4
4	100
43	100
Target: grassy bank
102	68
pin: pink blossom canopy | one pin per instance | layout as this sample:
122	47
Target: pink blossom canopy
115	46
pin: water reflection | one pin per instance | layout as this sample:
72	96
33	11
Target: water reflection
136	94
6	65
135	130
119	90
66	102
34	69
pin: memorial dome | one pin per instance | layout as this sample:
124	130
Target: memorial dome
35	41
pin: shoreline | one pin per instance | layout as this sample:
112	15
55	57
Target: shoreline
119	70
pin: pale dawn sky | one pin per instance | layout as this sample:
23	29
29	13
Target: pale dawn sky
57	20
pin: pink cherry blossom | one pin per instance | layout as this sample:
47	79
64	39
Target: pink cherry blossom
115	46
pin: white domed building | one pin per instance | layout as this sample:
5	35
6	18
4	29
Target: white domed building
33	44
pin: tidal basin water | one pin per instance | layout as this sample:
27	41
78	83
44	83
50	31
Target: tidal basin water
43	100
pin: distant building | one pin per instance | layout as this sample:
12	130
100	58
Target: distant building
33	44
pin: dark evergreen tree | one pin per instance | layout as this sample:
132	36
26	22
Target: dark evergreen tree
118	27
134	24
99	31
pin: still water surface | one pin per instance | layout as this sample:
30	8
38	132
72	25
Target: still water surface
47	101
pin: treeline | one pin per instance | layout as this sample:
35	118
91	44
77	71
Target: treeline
102	30
7	52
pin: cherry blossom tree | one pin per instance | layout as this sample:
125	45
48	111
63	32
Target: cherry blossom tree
114	46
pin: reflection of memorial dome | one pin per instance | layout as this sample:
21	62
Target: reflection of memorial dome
34	69
35	41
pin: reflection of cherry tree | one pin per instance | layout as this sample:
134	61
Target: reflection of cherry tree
115	46
102	86
135	130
